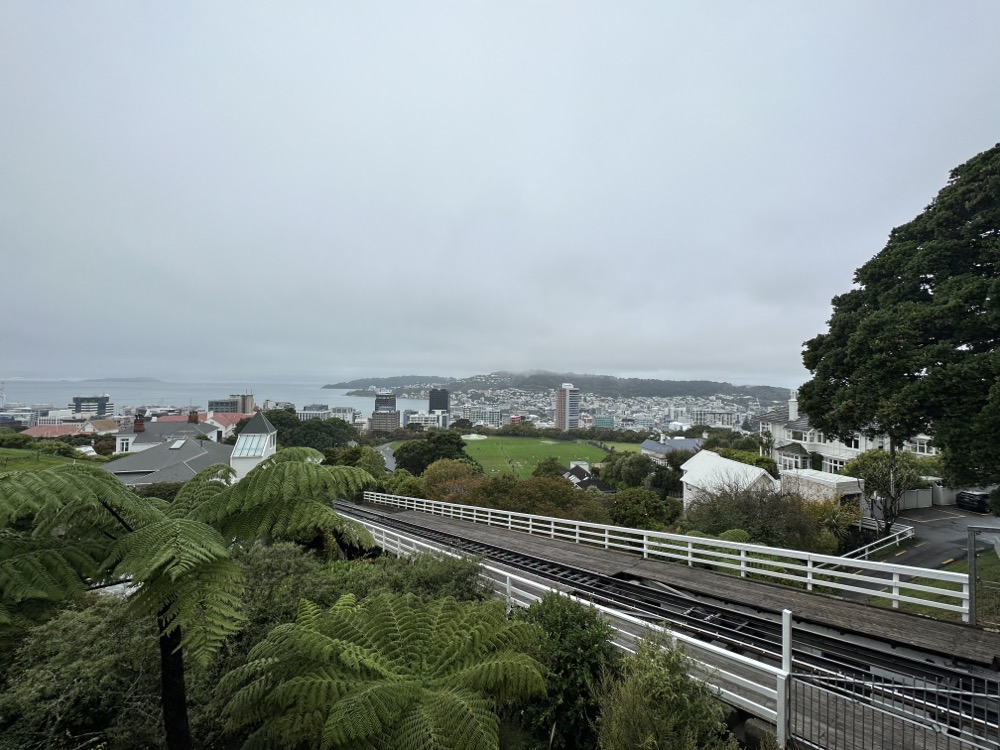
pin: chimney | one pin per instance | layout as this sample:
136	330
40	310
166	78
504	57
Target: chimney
193	417
793	406
139	425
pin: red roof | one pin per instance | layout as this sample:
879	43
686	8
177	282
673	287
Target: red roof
227	418
53	430
181	417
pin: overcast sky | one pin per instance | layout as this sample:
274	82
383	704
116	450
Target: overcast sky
326	190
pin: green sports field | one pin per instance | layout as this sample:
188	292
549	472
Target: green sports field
18	459
520	456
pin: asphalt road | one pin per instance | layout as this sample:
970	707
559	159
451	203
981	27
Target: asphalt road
942	535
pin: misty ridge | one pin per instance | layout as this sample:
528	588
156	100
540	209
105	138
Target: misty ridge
599	385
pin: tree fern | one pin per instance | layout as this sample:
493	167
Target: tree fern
288	499
69	527
390	672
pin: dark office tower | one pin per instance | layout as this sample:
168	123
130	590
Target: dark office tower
97	406
438	400
385	401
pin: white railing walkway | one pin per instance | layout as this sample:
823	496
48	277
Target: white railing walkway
758	688
807	570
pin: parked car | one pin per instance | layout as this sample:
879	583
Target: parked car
976	500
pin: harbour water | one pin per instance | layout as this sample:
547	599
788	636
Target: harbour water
60	393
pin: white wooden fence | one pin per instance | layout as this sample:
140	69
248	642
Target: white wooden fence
812	572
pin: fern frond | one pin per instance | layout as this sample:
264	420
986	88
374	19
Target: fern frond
348	666
43	568
286	499
298	453
202	487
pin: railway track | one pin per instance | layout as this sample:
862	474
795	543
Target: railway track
959	696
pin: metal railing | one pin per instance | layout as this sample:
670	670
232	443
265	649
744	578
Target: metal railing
806	570
872	714
830	712
902	532
739	680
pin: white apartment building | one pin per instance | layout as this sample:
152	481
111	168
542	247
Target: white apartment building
795	441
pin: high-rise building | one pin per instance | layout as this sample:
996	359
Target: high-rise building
438	400
385	418
237	403
567	407
385	401
95	406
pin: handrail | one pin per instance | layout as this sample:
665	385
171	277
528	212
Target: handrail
740	680
808	570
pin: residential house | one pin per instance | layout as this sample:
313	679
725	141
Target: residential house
795	443
582	479
173	461
658	451
707	473
142	434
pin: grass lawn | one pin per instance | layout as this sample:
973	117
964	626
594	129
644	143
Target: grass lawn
623	446
17	459
502	455
987	605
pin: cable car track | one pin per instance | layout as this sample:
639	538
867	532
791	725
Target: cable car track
885	671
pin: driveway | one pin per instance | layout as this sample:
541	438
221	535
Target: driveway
941	535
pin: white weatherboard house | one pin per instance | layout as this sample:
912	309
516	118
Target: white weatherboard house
259	440
707	473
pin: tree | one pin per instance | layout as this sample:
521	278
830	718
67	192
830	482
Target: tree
363	456
67	688
643	509
771	517
885	481
461	425
450	480
655	704
388	672
626	469
416	455
549	467
913	348
66	528
543	496
577	650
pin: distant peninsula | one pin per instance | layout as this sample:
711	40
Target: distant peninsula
400	381
121	380
599	385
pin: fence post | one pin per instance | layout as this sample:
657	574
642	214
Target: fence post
971	585
645	546
895	590
783	718
743	563
510	598
809	573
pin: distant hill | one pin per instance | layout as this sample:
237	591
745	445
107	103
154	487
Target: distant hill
600	385
400	381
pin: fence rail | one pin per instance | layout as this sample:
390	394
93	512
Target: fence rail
902	532
812	572
830	712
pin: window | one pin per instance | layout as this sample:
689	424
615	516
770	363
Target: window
833	465
798	435
853	442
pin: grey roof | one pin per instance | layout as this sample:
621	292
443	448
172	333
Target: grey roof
793	448
167	463
258	425
780	416
159	432
678	444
